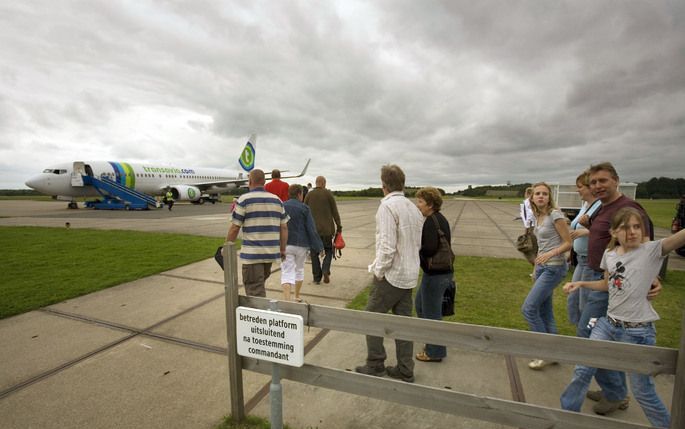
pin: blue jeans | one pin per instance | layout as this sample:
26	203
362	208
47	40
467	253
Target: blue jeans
537	308
642	385
612	383
428	305
319	268
576	300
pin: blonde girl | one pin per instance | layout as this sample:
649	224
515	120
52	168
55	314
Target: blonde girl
630	263
551	231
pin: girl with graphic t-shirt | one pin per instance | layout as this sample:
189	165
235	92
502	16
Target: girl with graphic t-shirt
630	263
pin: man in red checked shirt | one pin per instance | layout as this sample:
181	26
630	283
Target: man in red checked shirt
277	186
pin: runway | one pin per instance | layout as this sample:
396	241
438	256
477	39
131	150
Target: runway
479	227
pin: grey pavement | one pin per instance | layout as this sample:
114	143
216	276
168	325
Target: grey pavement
151	353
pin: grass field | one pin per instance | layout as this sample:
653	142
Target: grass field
490	292
43	266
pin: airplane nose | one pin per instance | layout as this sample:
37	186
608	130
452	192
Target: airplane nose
31	183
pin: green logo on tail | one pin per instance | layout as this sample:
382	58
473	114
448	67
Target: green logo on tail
247	157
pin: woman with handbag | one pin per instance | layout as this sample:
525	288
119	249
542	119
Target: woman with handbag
437	261
579	234
551	231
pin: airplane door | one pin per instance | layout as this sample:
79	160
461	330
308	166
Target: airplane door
78	172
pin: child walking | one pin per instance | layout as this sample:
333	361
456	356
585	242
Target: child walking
630	263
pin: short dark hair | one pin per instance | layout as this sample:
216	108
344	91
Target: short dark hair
431	196
276	174
603	166
392	177
294	190
257	177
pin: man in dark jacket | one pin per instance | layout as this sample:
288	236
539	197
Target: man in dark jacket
325	212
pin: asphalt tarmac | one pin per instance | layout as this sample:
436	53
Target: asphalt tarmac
151	353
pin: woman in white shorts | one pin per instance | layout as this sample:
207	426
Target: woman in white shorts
302	237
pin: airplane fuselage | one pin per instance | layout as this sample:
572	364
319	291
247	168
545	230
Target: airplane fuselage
151	179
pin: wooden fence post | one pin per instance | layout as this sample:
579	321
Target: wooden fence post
678	404
235	367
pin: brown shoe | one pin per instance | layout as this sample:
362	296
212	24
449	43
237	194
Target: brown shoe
326	278
605	406
423	357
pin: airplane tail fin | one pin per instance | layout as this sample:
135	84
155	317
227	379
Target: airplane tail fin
247	157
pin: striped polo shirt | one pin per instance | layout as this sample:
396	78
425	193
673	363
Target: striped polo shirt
260	214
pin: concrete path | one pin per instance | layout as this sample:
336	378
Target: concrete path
151	353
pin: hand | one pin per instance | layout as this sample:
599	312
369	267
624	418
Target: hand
570	287
655	290
542	258
585	221
282	255
577	233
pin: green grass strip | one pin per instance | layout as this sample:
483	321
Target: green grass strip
43	266
490	292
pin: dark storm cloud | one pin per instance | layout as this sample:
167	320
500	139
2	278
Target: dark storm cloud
455	92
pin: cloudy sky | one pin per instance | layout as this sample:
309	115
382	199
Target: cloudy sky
455	92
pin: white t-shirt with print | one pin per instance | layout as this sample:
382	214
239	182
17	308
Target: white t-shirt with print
630	278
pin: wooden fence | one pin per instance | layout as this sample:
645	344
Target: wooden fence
634	358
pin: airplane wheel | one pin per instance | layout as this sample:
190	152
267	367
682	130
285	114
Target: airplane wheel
72	205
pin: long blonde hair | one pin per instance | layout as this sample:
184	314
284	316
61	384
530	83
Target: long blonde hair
550	204
622	217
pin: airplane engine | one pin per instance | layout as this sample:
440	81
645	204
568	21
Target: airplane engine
186	193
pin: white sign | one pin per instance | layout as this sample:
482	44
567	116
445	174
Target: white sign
270	335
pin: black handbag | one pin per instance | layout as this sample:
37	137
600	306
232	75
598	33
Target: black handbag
448	299
219	257
443	260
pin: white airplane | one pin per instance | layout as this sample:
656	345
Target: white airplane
197	185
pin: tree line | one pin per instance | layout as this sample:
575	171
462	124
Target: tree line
654	188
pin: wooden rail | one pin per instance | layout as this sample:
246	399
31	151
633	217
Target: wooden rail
634	358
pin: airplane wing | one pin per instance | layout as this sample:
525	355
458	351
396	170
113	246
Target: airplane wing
240	181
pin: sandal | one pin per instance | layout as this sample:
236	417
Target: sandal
423	357
298	299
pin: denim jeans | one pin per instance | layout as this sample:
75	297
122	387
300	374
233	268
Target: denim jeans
428	305
612	383
537	308
576	300
319	268
642	385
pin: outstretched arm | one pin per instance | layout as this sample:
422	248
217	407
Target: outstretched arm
673	242
601	285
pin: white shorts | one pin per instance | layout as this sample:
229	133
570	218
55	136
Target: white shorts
292	268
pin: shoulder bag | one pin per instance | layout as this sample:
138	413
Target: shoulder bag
443	260
527	244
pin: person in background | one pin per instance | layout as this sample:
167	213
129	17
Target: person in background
327	219
579	234
395	272
169	199
302	237
277	186
551	231
434	282
630	264
264	222
526	211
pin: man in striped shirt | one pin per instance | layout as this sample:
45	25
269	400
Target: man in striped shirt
264	222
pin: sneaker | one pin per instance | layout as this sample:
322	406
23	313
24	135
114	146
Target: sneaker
326	278
605	406
538	364
394	372
378	371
